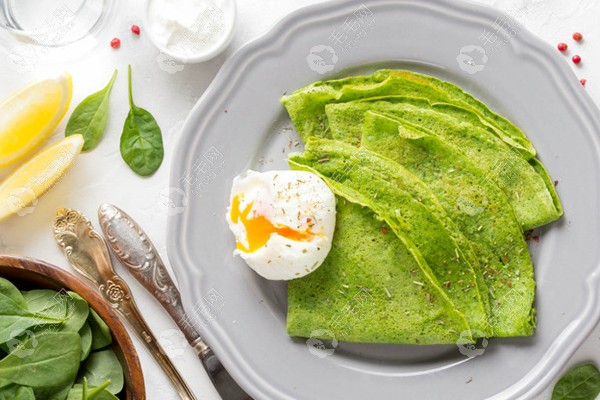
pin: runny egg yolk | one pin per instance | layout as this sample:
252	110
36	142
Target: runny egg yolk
259	229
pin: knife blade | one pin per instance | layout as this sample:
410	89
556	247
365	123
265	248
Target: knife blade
132	247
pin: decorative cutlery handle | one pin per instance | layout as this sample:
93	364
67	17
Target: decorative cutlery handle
135	251
87	252
116	292
82	245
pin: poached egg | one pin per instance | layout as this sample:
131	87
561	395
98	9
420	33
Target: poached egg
283	222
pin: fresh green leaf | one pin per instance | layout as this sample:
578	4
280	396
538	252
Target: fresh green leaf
16	319
101	336
85	333
580	383
84	395
49	335
90	392
11	291
56	392
47	302
93	393
141	140
90	117
101	366
51	359
12	391
53	393
77	313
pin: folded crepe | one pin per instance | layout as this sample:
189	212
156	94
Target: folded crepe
477	206
306	106
413	213
434	191
371	289
313	110
525	182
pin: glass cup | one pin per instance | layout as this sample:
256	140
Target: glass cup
35	30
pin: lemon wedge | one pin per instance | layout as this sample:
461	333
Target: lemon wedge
20	192
29	116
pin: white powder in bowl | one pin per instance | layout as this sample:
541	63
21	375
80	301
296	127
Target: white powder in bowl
191	29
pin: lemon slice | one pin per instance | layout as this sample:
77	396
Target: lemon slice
20	192
29	116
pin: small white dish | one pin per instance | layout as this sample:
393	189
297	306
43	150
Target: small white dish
191	31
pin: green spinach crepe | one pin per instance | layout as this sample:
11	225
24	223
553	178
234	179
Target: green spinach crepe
306	106
457	115
525	182
411	210
478	207
365	290
434	192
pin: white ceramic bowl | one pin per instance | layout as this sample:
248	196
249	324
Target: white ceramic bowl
179	52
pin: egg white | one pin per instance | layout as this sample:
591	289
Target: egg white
296	199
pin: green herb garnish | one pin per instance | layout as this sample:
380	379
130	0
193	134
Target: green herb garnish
90	117
141	140
579	383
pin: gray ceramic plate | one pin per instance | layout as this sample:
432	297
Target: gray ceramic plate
239	124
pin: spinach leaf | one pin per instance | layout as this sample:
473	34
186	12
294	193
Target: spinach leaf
82	391
53	393
77	394
141	140
85	334
580	383
56	392
90	116
11	291
77	313
47	302
101	366
101	336
12	391
48	336
49	359
16	319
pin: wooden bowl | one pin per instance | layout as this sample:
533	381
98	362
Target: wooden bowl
28	273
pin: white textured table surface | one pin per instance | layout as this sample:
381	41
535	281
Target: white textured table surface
101	176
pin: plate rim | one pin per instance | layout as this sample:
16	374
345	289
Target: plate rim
565	344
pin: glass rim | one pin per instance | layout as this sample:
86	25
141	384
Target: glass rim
33	36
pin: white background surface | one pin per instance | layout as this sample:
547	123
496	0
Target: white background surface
101	175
